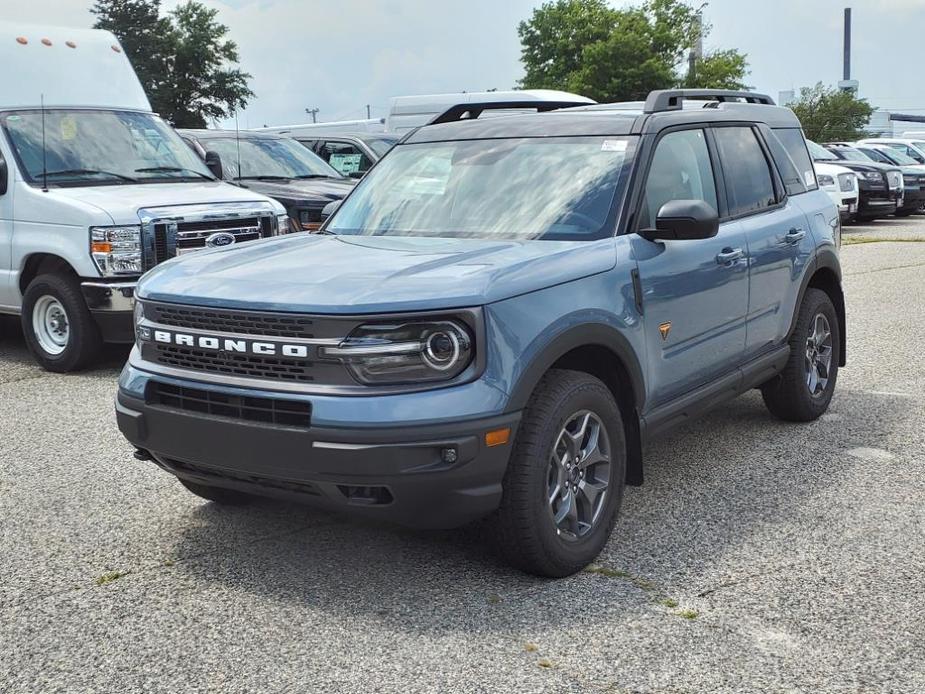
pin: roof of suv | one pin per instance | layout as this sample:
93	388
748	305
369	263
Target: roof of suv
209	134
629	118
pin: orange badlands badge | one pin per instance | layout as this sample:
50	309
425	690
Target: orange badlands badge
664	329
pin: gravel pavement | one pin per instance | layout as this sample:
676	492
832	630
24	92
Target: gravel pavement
759	556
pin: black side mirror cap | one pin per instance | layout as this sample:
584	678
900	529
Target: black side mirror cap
4	177
214	164
680	220
328	209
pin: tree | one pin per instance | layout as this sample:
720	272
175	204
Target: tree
184	60
829	115
608	54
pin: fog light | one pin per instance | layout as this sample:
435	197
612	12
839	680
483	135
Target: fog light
449	455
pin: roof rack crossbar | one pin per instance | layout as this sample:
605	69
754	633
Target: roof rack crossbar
473	111
671	99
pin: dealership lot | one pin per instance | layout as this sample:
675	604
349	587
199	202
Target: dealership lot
759	556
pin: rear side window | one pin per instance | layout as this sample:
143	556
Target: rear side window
793	141
748	178
797	178
680	170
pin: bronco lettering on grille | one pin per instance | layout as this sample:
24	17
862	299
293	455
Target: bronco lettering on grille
231	345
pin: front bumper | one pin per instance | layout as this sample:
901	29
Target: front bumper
913	199
111	305
401	474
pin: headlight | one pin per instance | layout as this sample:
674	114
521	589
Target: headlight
872	175
116	250
825	180
405	352
846	182
282	224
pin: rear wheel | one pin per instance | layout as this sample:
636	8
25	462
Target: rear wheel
57	325
804	389
218	495
564	483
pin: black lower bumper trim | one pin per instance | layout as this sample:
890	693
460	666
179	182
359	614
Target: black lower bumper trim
435	476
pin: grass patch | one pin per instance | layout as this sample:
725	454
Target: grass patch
494	599
606	571
854	240
110	576
668	602
544	662
530	647
688	614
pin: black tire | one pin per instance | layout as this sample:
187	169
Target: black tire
83	339
218	495
524	530
788	395
905	213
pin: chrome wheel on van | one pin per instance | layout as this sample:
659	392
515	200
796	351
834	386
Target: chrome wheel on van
578	475
818	363
50	325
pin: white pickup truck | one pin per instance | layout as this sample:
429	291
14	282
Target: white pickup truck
95	189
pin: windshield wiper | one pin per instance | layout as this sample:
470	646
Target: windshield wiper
173	169
262	178
302	177
77	172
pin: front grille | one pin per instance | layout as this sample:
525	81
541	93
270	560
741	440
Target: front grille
235	322
282	369
268	410
169	236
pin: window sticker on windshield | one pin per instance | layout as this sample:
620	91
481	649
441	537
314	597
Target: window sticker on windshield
68	128
810	178
614	146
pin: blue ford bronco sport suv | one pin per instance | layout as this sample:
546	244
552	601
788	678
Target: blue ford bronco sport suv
498	317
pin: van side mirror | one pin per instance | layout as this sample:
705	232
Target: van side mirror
328	209
679	220
214	164
4	176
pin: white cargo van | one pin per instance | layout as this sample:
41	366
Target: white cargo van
95	189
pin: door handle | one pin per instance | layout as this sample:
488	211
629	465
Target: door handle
795	234
729	255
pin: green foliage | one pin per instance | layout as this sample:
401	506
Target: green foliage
588	47
184	60
829	114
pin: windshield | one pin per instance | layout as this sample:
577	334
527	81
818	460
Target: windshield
381	145
102	147
897	157
525	188
852	154
820	153
268	158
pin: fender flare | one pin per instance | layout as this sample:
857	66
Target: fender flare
592	334
826	259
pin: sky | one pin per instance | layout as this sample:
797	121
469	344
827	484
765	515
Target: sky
340	55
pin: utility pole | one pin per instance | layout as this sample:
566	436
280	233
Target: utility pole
696	50
313	112
847	84
368	116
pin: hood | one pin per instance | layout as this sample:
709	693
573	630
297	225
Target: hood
318	273
123	202
320	191
829	168
864	165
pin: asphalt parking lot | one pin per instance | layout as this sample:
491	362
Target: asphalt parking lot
759	556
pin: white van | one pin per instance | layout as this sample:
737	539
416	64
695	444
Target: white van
95	189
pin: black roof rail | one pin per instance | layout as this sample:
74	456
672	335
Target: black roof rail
460	111
671	99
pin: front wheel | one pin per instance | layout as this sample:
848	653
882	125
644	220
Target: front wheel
805	387
564	483
57	325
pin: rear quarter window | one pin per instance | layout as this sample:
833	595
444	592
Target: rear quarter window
794	145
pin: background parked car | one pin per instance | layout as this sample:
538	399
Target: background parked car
879	196
351	154
912	199
841	184
911	147
275	166
913	175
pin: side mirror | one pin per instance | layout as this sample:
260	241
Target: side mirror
4	177
683	220
214	164
328	209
